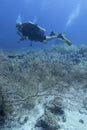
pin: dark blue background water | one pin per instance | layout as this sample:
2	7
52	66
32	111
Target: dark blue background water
50	14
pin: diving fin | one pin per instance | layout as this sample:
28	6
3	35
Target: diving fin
66	40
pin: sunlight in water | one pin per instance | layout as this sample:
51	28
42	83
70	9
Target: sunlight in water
73	16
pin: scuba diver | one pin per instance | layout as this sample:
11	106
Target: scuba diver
33	32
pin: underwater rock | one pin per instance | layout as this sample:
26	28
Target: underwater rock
2	111
81	121
48	122
16	56
23	120
56	106
85	103
84	88
11	56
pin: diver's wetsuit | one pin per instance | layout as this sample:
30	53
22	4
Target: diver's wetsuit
32	31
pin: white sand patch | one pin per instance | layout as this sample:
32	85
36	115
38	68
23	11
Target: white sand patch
73	118
37	112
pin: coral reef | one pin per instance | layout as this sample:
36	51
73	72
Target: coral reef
42	90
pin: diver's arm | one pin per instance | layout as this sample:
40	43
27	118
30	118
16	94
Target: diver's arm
22	38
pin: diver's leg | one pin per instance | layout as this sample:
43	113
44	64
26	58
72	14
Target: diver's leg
61	36
49	38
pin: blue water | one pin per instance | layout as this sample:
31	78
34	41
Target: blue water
68	16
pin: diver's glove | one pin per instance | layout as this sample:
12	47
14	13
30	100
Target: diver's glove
66	40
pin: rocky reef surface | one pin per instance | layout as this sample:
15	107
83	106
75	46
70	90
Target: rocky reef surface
44	89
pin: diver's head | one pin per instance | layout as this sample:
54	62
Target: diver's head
18	26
